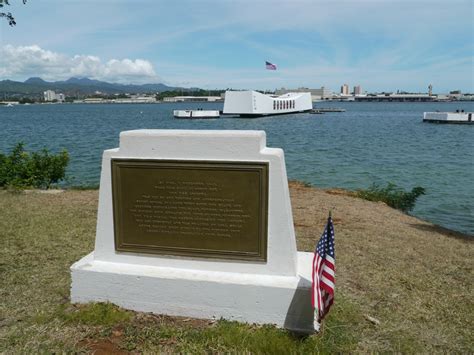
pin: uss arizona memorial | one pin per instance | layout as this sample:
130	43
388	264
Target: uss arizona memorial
253	103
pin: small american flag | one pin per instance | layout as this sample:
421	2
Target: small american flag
270	66
323	274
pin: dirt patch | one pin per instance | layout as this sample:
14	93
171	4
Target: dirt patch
102	347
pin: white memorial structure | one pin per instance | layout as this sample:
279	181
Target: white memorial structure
267	281
253	103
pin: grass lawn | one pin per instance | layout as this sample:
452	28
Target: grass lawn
402	285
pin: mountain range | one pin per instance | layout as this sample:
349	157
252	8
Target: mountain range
76	87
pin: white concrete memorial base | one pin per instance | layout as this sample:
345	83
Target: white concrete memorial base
277	291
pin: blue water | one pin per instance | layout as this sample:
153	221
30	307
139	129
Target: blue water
370	142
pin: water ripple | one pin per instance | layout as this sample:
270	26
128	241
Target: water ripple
370	142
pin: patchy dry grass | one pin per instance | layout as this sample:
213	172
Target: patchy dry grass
410	276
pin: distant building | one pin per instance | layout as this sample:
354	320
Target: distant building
430	90
323	93
316	94
455	94
192	98
357	90
134	99
387	97
92	100
345	89
50	96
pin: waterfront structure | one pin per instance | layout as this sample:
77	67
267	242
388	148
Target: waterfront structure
357	90
455	95
92	100
316	94
323	93
253	103
396	97
448	117
127	100
192	98
135	100
430	90
196	113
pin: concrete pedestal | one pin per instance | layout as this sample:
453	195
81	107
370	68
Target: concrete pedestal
276	291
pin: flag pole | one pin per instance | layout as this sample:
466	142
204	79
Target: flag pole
316	324
328	229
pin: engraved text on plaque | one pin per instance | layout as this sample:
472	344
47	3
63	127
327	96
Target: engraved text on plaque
189	208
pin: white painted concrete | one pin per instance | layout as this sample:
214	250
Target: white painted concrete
281	300
454	117
255	103
196	113
277	291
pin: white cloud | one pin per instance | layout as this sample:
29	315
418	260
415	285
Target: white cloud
22	62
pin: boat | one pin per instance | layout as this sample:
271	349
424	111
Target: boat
196	113
459	117
254	104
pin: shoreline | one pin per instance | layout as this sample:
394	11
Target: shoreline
433	226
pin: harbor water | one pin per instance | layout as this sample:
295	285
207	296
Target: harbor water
368	143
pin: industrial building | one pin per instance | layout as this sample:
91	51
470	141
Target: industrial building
316	94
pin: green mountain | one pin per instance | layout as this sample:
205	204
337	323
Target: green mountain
34	87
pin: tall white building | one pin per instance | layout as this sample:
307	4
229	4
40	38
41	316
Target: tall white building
357	90
50	95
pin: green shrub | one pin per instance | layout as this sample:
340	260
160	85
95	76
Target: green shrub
39	169
392	195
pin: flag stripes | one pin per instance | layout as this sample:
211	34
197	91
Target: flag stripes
324	273
270	66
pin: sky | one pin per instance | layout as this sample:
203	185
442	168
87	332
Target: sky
380	45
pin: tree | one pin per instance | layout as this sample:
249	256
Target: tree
8	15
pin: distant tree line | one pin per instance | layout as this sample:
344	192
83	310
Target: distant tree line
23	98
188	92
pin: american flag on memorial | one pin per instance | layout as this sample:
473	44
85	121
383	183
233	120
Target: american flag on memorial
270	66
323	274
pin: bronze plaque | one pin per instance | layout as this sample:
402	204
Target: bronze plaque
191	208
